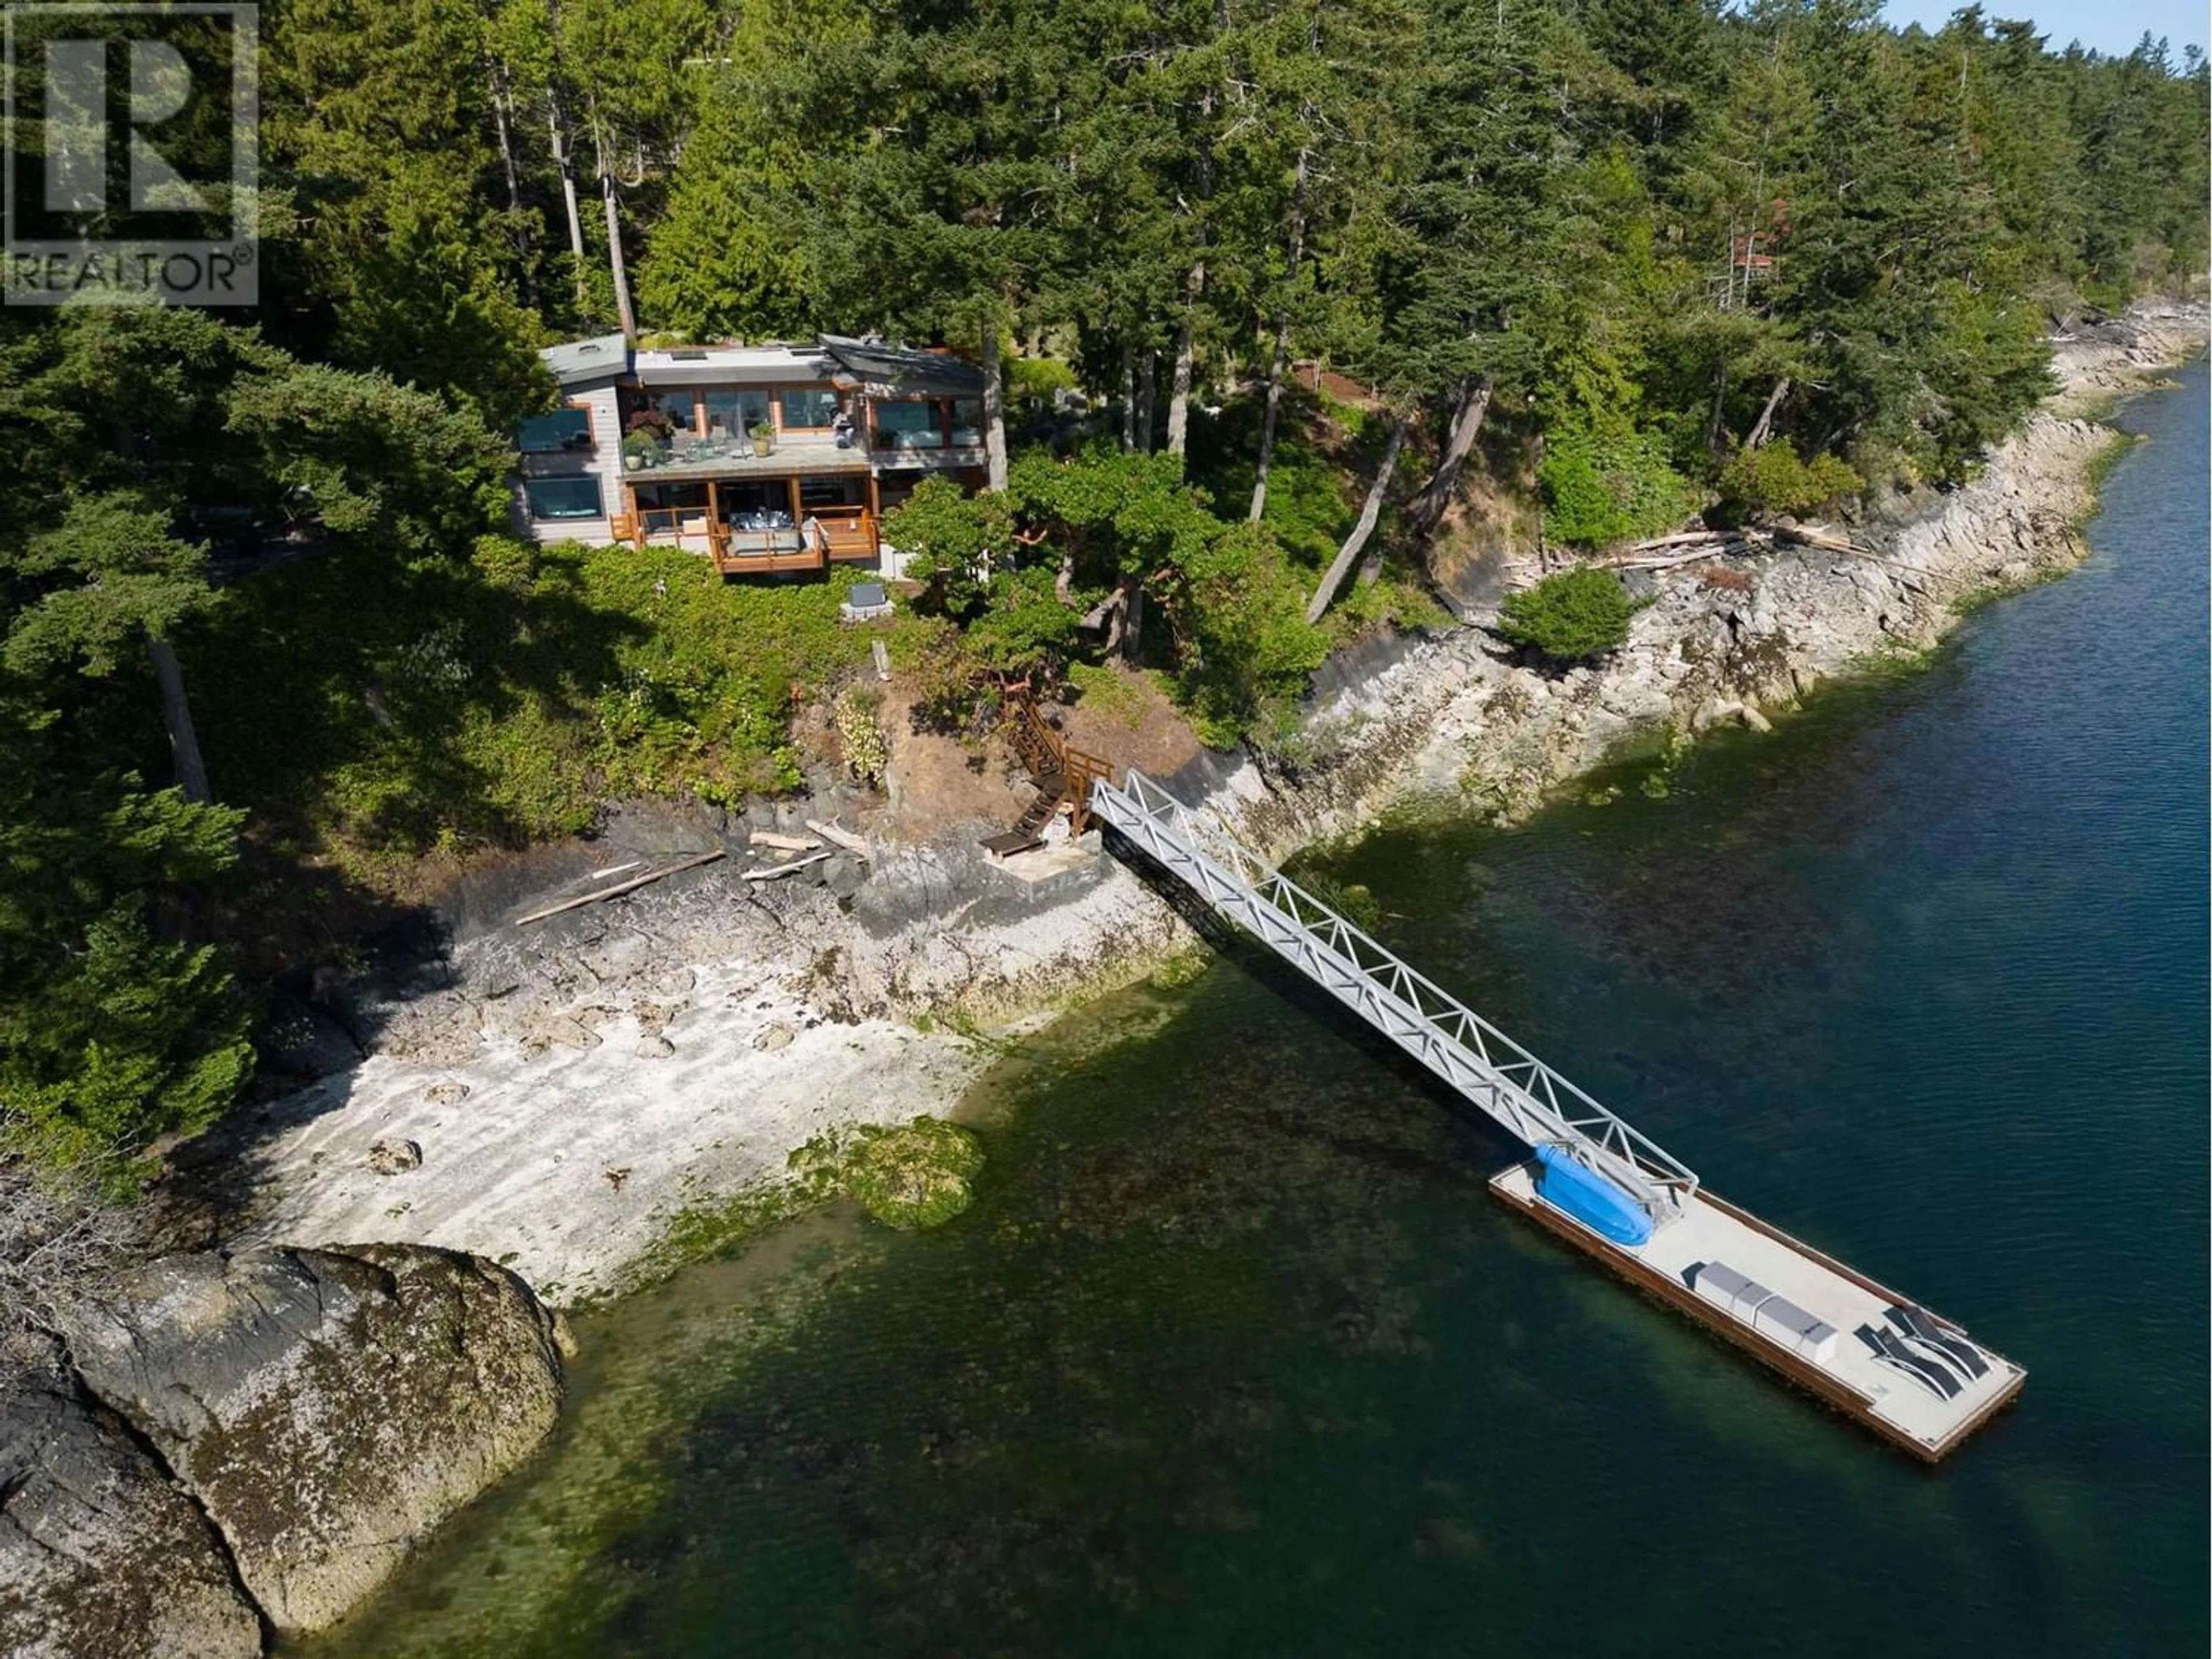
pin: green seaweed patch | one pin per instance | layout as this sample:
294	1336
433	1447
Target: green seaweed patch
1982	595
1182	967
712	1227
1354	901
2099	468
915	1176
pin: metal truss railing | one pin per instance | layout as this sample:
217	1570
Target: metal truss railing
1530	1099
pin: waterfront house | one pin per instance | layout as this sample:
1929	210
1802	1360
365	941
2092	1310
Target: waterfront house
765	459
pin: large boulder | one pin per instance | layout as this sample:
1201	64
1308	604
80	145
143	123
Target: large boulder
101	1553
325	1408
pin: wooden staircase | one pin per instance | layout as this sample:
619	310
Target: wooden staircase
1059	772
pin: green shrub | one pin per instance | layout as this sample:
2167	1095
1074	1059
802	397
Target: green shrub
1247	643
1023	628
945	533
1771	479
1602	488
1575	613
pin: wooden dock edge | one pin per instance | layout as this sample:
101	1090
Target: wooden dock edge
1828	1389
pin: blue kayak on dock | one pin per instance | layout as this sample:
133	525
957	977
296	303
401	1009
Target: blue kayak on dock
1566	1183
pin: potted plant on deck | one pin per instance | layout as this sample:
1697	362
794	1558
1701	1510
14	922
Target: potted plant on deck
648	429
763	438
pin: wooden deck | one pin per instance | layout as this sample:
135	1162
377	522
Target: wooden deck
828	536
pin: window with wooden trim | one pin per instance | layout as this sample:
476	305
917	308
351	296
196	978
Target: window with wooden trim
676	406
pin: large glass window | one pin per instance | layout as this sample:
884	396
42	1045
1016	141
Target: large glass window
741	500
550	434
735	414
967	420
829	492
671	498
810	406
674	405
909	426
563	498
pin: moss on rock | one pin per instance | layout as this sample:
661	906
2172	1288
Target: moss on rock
914	1176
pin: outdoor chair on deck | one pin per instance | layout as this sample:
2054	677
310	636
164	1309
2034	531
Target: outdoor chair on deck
1889	1351
1921	1328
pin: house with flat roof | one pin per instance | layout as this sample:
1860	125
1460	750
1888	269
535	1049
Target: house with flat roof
766	459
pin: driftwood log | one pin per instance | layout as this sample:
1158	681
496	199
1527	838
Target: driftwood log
1702	544
844	838
620	888
777	870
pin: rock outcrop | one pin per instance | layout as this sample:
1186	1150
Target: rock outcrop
101	1553
254	1440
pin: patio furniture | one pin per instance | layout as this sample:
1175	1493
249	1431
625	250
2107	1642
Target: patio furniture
1889	1351
1920	1329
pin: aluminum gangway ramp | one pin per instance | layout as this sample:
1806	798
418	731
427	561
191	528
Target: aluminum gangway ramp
1490	1070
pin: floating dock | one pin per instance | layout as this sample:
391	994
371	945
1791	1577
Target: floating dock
1693	1264
1914	1378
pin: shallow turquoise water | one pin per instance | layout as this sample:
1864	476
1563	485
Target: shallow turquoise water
1235	1355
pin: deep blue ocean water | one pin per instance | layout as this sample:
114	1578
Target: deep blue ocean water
1235	1355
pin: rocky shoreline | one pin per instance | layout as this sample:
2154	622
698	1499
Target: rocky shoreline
243	1443
578	1088
222	1447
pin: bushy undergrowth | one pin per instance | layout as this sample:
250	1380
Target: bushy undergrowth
1610	487
1326	452
399	705
1771	479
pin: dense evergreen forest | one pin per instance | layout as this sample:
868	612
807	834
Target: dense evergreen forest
1650	257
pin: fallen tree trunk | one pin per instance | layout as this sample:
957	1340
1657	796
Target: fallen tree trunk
1814	539
1426	510
784	843
1686	539
620	888
1671	560
844	838
1752	535
777	870
1766	423
1333	577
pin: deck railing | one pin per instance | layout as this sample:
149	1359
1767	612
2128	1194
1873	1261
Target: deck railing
851	531
1485	1066
689	527
1047	754
841	533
